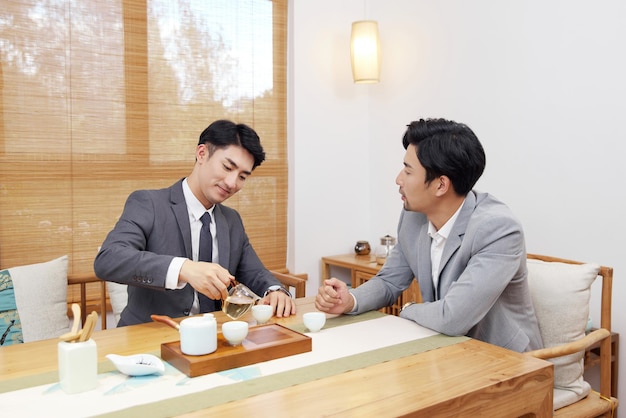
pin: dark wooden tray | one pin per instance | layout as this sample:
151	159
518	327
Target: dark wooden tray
264	342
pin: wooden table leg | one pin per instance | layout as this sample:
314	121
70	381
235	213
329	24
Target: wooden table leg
325	272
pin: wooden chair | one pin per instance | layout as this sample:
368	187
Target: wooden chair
595	404
290	280
82	280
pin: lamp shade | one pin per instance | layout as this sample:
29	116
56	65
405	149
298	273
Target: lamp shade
365	52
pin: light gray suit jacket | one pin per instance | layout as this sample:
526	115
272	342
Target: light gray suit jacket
153	229
483	288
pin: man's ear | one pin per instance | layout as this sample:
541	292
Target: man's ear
202	152
443	185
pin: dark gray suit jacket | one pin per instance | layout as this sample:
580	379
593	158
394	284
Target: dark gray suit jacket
483	286
153	229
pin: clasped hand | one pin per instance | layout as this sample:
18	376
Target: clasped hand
333	297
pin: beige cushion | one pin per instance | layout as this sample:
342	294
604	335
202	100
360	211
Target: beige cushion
41	298
560	294
118	295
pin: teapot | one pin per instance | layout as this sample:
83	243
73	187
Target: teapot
239	301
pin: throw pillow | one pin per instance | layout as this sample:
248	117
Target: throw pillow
10	325
41	298
118	295
560	294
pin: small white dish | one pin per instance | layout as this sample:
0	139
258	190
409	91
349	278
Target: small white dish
314	321
137	364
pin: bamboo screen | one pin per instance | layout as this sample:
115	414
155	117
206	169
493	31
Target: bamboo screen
99	98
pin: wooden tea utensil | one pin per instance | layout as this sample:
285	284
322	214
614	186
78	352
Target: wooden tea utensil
68	337
74	334
76	313
90	325
165	320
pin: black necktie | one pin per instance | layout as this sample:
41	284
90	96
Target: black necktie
205	249
205	253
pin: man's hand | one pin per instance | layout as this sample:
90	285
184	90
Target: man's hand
210	279
333	297
282	304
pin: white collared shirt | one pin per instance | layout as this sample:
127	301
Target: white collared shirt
195	210
438	242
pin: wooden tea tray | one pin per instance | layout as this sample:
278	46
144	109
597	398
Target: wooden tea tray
264	342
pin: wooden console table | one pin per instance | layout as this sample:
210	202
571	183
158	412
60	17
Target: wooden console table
362	268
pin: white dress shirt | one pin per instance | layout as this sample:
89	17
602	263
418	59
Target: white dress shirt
195	211
438	242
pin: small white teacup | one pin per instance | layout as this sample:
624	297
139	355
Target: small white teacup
262	313
235	331
314	321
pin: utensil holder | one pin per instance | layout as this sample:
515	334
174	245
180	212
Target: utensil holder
78	366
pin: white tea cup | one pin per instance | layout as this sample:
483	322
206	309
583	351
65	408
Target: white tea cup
235	331
314	321
262	313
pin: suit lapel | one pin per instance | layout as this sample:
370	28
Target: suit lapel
179	207
223	237
424	266
458	231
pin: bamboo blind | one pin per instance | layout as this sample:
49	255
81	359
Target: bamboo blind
101	98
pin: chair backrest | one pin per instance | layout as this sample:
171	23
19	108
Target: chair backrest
561	290
290	280
82	280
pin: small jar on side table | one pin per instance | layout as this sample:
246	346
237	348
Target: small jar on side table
384	249
362	248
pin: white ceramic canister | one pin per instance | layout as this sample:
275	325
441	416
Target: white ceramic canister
198	335
78	366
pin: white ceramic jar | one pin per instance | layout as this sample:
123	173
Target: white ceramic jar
78	366
198	335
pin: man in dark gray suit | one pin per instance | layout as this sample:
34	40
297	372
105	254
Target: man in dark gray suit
155	246
465	248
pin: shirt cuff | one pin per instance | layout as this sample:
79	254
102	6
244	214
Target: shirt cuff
173	271
354	308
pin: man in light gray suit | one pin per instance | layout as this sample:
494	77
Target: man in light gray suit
465	248
155	246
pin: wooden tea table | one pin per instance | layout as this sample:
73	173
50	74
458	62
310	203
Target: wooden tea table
453	377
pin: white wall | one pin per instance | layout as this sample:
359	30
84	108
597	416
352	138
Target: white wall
541	83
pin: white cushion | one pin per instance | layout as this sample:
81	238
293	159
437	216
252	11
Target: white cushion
560	294
41	298
118	295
